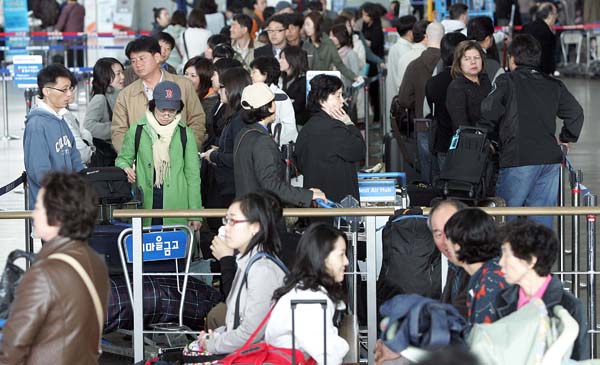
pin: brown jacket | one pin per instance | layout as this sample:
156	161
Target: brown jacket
53	319
132	104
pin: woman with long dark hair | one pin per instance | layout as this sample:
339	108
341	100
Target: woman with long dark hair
250	228
108	80
373	31
317	274
322	54
233	82
199	71
293	63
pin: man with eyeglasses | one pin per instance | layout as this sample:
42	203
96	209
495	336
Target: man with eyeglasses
48	143
132	102
276	30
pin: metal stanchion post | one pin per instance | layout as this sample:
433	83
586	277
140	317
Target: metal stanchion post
384	115
28	100
561	222
575	199
591	200
28	230
6	136
85	51
367	123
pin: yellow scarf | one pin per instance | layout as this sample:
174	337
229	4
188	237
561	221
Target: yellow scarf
161	140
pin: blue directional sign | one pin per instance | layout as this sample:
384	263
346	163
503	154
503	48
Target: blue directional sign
377	190
159	246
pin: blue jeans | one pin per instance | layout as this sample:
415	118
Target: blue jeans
428	165
530	186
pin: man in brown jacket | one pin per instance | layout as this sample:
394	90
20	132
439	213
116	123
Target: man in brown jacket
56	318
132	101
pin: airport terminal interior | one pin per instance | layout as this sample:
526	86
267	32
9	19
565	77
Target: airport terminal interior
583	155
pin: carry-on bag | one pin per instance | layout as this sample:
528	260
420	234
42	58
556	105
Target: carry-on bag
109	183
11	277
468	172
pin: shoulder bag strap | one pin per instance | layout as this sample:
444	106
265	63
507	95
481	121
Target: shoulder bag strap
187	54
256	257
138	137
90	286
110	112
240	141
183	135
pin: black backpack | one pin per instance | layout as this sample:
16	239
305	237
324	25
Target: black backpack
468	172
47	11
109	183
411	261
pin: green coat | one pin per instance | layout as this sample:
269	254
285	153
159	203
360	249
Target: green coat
181	189
326	55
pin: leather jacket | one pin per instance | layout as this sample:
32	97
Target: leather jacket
52	319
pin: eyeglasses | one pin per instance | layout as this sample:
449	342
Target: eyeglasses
64	91
274	30
231	222
166	112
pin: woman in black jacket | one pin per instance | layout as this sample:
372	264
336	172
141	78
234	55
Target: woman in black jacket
221	156
373	31
329	145
293	63
470	85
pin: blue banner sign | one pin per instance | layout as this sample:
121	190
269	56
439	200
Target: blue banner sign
159	246
378	190
16	20
25	71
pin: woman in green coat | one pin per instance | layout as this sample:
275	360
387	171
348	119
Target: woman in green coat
164	161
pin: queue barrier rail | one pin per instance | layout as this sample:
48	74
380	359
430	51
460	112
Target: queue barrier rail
372	216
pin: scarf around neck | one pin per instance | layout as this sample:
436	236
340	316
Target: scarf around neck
161	140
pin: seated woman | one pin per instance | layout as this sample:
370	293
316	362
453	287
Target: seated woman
474	246
528	253
53	318
329	145
163	150
250	229
317	274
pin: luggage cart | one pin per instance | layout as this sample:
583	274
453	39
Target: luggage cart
160	243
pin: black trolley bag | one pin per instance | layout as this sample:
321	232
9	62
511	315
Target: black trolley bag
468	172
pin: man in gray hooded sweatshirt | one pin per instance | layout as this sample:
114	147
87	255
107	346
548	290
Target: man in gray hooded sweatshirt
48	143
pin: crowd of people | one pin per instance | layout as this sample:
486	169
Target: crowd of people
201	116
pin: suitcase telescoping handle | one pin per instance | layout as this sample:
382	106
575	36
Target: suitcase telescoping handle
323	304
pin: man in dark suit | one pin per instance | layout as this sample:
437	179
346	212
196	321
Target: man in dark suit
276	28
541	29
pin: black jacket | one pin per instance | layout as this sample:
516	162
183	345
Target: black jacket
463	100
541	31
507	300
223	157
264	51
259	165
296	90
520	114
435	91
327	151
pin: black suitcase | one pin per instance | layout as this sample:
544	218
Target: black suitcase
109	183
395	160
468	172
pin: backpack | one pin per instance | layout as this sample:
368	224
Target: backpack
468	172
411	261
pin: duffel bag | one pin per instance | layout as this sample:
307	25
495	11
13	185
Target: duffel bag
109	183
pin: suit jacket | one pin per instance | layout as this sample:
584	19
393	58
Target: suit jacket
264	51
